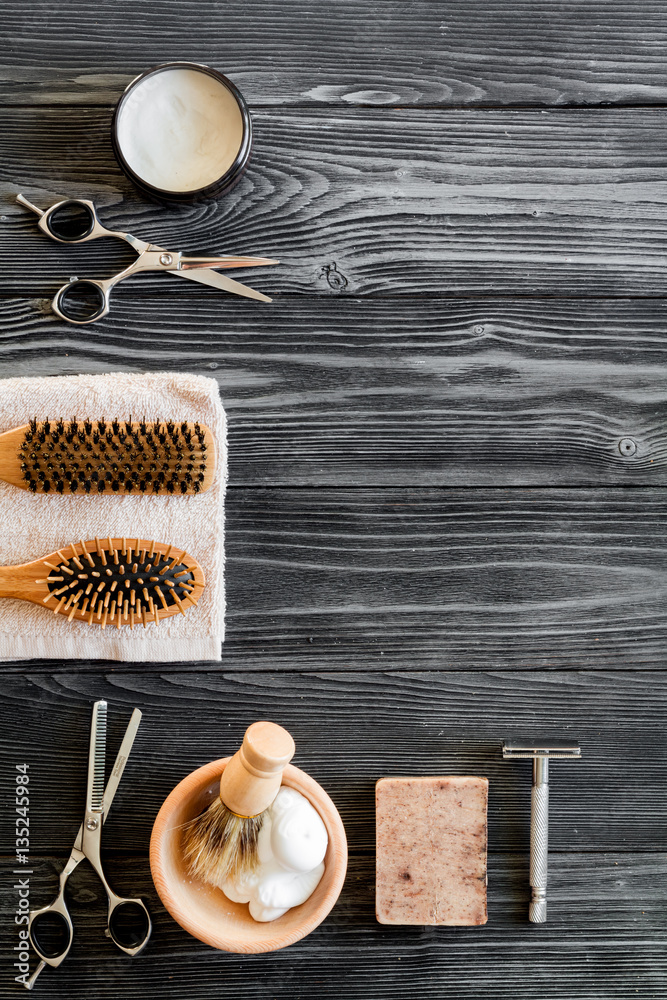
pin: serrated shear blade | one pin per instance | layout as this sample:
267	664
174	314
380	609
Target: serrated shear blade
97	758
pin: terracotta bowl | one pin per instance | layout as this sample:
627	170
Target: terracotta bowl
205	912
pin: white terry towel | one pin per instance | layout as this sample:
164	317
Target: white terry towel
34	525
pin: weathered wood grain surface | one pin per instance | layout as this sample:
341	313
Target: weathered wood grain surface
350	729
446	518
347	53
390	579
436	202
629	885
618	897
452	578
343	392
608	880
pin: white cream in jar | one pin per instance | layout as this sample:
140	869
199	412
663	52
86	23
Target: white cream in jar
180	129
292	844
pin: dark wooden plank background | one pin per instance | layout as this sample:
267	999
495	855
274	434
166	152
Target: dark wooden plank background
448	453
402	201
414	52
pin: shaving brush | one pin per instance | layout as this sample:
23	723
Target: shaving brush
221	842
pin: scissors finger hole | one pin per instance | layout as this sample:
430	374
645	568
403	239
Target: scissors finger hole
50	934
129	925
72	221
81	301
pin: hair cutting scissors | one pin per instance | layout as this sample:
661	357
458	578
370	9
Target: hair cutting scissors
85	300
129	923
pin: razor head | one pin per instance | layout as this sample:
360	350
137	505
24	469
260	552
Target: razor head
536	751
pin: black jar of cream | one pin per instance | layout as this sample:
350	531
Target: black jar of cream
182	132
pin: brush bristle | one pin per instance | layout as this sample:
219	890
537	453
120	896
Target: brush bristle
84	456
119	586
219	845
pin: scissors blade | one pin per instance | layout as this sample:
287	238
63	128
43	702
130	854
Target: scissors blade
121	760
228	260
97	758
117	773
221	281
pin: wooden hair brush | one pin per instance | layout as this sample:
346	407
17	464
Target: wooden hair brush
222	841
108	456
110	581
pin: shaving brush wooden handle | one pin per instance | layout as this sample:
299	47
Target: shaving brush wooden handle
251	780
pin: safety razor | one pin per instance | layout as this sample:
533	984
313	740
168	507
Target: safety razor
539	816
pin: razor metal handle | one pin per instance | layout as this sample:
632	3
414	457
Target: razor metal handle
539	815
539	842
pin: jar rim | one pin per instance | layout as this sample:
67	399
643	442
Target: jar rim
216	187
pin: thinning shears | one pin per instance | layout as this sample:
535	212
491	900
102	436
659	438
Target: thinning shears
129	923
85	300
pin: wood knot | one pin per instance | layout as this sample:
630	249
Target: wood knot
335	278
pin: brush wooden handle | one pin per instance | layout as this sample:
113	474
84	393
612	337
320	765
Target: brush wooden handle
19	581
10	465
251	780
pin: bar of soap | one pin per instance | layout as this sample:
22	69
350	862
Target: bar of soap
431	851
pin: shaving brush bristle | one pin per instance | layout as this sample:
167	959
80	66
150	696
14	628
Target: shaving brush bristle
218	844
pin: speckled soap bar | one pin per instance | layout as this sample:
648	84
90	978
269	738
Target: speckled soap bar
431	851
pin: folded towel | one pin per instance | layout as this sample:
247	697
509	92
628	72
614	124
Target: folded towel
34	525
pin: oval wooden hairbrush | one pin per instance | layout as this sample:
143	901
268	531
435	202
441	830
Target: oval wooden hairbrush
108	456
109	581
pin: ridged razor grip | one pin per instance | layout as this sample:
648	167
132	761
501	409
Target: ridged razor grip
539	851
